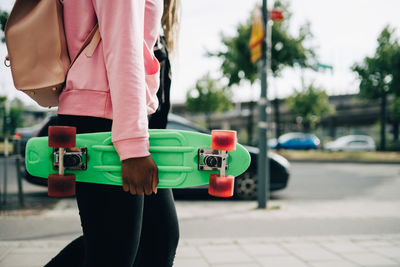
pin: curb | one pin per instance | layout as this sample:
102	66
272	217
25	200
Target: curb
342	161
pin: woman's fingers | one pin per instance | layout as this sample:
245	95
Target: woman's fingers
132	189
125	184
155	181
139	176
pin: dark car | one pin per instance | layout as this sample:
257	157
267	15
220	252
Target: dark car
24	134
245	184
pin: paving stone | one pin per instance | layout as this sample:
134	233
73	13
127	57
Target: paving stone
223	241
33	250
373	243
343	246
339	263
391	252
187	252
35	259
237	265
299	245
195	262
209	247
227	257
286	261
5	249
369	259
314	254
264	250
225	254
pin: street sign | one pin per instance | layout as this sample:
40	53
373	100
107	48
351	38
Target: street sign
276	15
257	35
320	65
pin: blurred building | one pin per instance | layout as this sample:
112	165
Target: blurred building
352	116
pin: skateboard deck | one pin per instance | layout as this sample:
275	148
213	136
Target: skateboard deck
184	159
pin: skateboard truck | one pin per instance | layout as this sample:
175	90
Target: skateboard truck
221	184
212	160
73	159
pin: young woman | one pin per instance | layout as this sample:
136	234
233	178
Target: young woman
115	90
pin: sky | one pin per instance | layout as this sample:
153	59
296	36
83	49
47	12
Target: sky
345	32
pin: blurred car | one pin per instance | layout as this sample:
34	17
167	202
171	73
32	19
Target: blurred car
24	134
295	140
352	143
245	184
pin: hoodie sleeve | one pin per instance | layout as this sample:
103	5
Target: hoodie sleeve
123	29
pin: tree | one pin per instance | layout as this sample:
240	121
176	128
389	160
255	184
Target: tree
379	75
209	96
309	104
395	116
3	20
11	117
15	115
286	50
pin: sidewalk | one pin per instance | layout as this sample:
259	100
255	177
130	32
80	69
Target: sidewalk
214	249
330	251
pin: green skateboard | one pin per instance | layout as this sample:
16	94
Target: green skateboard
184	159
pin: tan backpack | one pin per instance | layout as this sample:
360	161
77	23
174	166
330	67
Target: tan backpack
37	49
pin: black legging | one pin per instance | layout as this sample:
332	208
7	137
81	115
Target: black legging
119	229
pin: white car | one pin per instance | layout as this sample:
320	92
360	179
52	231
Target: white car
352	143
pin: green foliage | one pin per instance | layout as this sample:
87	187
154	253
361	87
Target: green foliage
380	74
395	109
3	20
16	114
235	56
208	97
11	118
310	104
286	50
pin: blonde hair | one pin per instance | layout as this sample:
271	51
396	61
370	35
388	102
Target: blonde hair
170	23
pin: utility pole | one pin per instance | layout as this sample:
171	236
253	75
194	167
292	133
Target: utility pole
383	121
263	162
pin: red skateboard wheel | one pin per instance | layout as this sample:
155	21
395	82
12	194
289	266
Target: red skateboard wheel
61	185
62	136
221	186
223	140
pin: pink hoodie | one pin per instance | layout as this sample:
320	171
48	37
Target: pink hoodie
120	80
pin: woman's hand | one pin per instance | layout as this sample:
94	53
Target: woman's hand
139	176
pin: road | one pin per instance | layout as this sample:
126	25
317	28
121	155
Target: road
321	199
331	181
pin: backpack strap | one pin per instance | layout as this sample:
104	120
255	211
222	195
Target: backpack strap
91	47
91	42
